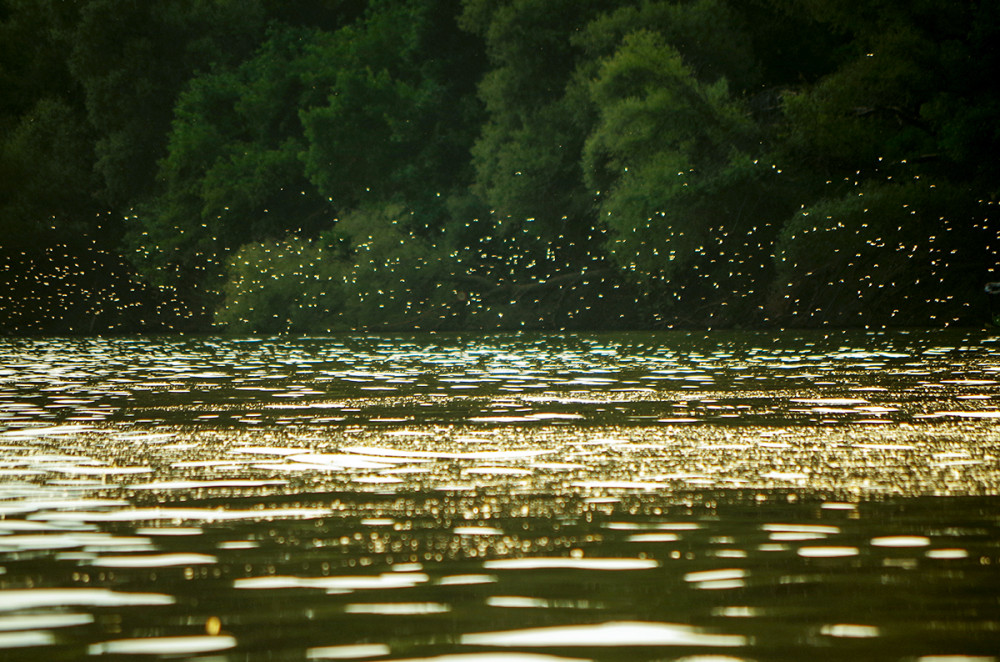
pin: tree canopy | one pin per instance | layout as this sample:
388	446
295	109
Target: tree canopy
320	165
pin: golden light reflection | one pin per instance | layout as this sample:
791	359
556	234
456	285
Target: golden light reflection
587	478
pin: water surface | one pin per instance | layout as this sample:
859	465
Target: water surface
722	496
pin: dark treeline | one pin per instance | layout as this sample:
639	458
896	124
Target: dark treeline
314	165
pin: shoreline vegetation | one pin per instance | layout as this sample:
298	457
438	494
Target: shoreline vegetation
263	166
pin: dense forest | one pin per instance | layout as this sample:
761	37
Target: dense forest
321	165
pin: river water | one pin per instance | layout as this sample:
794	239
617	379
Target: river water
502	498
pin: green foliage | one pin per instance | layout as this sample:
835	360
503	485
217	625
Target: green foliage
282	286
918	85
132	59
233	173
33	54
527	158
329	164
48	158
870	107
650	102
678	189
46	143
397	115
707	34
315	124
395	277
370	273
883	254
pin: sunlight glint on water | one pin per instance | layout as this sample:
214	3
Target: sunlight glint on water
522	497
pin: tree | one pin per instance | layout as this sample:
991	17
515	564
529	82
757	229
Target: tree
902	121
132	59
315	126
677	158
522	162
232	174
368	273
527	157
397	113
46	143
886	254
48	158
